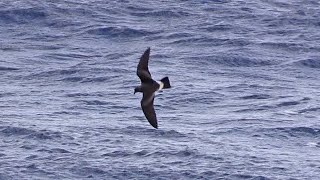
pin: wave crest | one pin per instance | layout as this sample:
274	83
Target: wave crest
119	32
25	15
292	131
311	63
29	133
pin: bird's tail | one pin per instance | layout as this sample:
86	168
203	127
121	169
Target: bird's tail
166	83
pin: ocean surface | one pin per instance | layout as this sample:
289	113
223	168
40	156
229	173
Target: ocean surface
245	101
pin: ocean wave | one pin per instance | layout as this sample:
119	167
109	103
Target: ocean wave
303	130
158	153
66	56
175	35
136	8
230	60
8	68
23	15
283	104
67	113
218	27
54	150
171	134
150	132
248	176
28	146
241	61
141	153
177	153
119	32
311	63
299	20
253	109
4	176
118	153
204	97
88	171
95	103
96	80
256	96
288	103
29	133
186	153
72	79
6	94
56	72
84	95
78	74
292	131
310	109
44	135
161	13
284	45
9	130
207	41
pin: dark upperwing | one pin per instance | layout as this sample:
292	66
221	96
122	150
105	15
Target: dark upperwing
148	109
143	70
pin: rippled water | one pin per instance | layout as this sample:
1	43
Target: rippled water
244	102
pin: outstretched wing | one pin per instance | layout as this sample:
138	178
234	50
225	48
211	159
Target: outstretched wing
143	70
148	109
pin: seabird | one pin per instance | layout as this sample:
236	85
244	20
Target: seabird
148	87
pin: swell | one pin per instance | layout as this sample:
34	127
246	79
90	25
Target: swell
299	19
88	171
309	110
309	63
256	96
118	32
289	46
232	60
29	133
277	105
161	13
158	153
242	61
8	68
81	74
150	132
204	40
300	131
23	15
51	73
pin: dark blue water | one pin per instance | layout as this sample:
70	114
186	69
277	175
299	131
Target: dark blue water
245	102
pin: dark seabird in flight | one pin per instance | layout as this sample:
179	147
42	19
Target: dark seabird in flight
148	87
